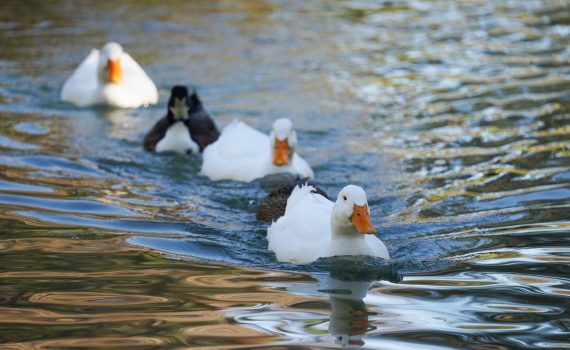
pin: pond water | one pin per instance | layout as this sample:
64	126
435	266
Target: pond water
453	115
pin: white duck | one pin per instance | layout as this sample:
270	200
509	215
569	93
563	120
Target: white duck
244	154
110	77
314	227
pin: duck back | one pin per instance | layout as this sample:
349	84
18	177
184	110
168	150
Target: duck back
273	206
239	154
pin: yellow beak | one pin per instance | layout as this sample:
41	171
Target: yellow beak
115	75
361	220
281	152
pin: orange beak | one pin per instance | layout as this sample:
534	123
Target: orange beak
115	75
361	220
281	152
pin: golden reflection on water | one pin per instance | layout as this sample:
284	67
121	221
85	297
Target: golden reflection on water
62	245
64	288
227	331
17	316
243	280
139	342
83	291
94	299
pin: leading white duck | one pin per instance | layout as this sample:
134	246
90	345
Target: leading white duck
313	227
242	153
110	77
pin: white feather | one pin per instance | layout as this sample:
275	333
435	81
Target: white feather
177	139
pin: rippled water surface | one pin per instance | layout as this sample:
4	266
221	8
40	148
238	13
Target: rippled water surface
453	115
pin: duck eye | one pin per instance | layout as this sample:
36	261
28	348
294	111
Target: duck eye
344	197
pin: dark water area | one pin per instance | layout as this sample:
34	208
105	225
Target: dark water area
453	116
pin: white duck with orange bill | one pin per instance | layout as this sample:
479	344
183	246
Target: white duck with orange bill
313	227
242	153
110	77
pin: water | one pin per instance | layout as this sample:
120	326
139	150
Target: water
454	116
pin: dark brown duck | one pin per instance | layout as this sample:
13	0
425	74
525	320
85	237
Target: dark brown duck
186	128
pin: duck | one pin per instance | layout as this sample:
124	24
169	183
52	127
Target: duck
273	206
314	227
172	132
109	77
243	153
186	128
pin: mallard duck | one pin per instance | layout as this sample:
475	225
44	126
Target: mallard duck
314	227
186	128
109	77
245	154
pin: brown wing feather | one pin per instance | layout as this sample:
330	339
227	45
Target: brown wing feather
203	131
155	134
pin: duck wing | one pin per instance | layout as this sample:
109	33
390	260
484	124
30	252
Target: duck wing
155	134
80	88
377	246
302	167
303	232
137	81
204	132
201	125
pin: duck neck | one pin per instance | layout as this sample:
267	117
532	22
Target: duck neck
171	119
342	229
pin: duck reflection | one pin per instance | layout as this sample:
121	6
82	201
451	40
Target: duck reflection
123	124
347	286
349	317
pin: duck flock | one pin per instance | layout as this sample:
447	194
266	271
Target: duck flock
305	224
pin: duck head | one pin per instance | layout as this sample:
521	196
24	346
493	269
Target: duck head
283	140
110	71
178	104
350	213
